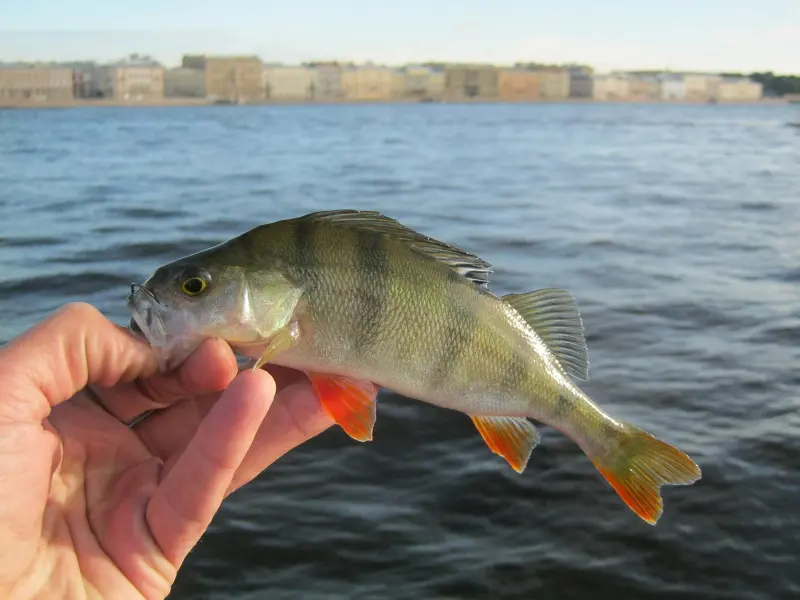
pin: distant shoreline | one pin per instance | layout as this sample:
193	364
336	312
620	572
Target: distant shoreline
191	102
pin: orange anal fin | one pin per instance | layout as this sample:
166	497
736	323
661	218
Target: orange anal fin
638	467
513	438
349	402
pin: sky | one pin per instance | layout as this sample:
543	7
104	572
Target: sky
706	35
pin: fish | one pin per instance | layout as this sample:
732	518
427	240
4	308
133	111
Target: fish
359	302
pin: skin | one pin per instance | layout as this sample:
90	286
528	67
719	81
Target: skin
90	508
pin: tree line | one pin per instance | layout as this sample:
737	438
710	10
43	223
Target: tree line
774	85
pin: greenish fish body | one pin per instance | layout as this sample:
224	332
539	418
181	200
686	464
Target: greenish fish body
359	302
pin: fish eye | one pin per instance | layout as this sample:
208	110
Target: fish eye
195	283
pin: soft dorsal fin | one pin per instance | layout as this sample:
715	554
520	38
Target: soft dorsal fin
553	314
464	263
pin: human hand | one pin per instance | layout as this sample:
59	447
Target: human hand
90	507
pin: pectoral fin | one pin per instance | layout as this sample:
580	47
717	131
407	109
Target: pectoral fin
513	438
349	402
283	340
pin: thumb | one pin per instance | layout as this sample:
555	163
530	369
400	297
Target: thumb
58	357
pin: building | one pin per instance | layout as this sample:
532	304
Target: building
518	85
419	82
581	82
436	84
86	78
636	88
673	86
237	79
22	83
181	82
398	83
288	83
643	87
133	78
555	84
611	87
701	87
327	81
367	83
739	89
652	87
470	81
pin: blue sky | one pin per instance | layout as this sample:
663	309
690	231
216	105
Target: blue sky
678	34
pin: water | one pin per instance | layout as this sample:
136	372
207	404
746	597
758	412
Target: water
677	228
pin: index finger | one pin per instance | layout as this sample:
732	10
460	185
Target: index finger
210	368
59	356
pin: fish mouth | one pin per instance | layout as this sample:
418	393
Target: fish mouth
146	314
134	326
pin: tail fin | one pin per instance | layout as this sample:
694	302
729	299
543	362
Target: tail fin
640	465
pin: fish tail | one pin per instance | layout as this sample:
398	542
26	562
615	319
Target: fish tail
639	465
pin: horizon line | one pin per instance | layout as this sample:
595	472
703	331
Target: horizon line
387	64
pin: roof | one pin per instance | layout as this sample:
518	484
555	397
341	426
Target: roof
32	66
135	60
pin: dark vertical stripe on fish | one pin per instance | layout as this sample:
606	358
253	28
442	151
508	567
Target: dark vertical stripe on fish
372	288
565	406
461	325
304	247
248	243
515	373
302	264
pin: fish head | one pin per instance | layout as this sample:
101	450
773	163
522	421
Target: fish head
197	297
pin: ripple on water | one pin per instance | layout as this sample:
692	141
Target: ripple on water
61	285
30	241
759	206
146	212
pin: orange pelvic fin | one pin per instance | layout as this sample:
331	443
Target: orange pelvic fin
349	402
513	438
640	465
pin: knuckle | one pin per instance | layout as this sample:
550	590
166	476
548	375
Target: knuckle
79	311
153	390
298	412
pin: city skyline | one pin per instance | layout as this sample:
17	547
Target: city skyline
734	36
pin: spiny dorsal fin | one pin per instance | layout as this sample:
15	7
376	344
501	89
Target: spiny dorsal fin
464	263
553	315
